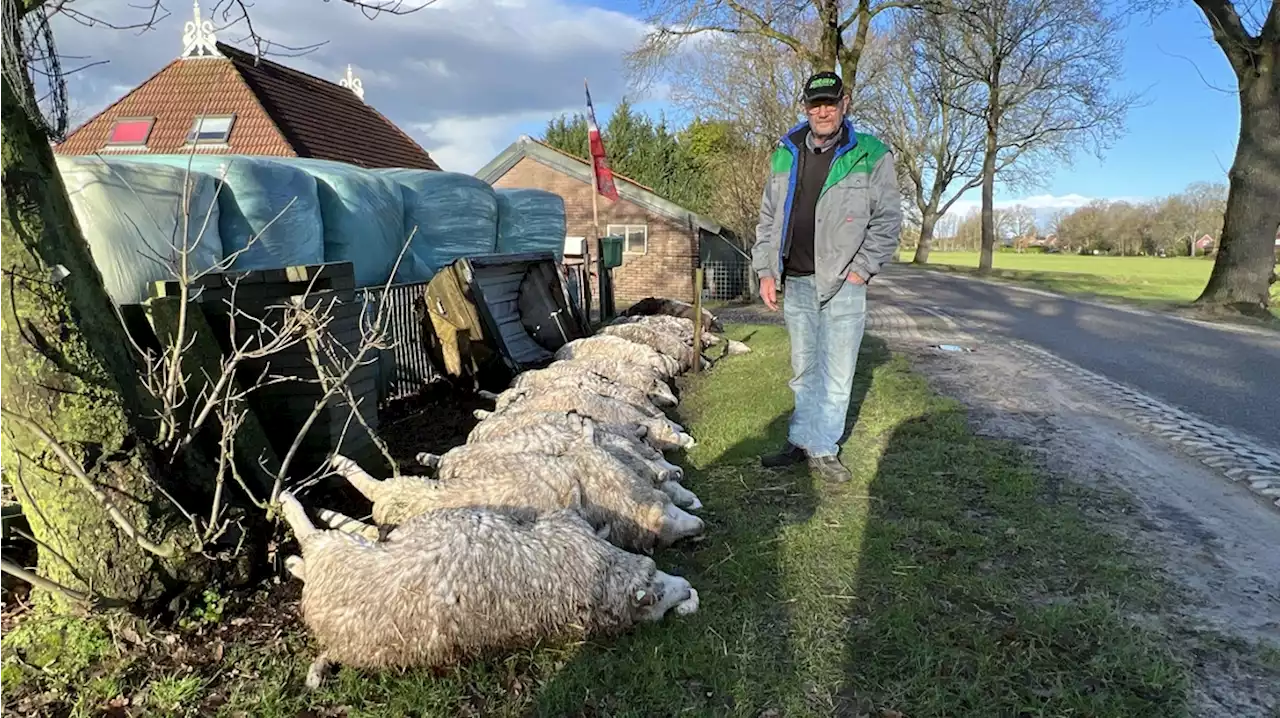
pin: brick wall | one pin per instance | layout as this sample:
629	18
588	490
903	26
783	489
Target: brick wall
666	267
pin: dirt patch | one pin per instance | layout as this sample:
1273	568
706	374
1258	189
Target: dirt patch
1216	540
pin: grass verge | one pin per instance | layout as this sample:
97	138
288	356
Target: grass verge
1162	283
947	579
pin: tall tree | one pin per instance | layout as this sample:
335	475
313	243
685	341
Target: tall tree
823	34
937	148
85	442
1041	70
1244	268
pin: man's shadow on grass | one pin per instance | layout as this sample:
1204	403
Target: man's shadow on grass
734	656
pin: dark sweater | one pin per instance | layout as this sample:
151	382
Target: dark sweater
811	175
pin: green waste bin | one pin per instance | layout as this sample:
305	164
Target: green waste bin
612	251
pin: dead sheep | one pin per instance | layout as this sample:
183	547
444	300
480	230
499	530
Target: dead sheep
683	328
671	307
601	387
468	583
503	423
642	378
662	433
666	344
609	347
628	512
558	433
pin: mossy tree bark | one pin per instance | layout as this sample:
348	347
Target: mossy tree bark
1244	268
67	368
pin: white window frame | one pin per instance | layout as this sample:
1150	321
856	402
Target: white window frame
223	141
624	230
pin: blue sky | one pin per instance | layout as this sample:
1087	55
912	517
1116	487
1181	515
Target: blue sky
467	77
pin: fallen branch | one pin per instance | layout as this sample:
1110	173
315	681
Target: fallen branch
87	599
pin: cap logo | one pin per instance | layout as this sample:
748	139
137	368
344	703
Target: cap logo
823	82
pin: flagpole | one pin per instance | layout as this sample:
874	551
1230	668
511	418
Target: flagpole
595	226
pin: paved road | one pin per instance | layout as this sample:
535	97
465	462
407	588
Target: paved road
1226	376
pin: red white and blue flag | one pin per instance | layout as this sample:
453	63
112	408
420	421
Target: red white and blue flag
604	175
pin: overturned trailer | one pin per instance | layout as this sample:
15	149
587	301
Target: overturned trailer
486	318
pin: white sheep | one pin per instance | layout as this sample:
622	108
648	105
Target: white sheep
629	512
467	583
610	347
600	386
663	433
557	433
671	307
636	376
664	343
683	328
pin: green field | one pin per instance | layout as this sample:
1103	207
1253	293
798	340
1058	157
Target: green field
1153	281
948	578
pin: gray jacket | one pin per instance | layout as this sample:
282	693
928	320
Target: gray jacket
859	214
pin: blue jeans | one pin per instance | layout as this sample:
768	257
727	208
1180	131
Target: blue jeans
824	354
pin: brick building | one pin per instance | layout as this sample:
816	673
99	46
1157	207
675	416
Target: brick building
662	240
216	99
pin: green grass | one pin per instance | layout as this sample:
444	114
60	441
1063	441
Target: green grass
947	579
1142	280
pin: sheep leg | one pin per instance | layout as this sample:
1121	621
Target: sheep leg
296	566
485	394
680	496
346	524
319	667
669	470
431	461
356	476
481	414
296	517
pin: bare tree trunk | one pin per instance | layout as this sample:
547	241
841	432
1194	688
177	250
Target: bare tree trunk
1244	267
988	201
67	372
928	220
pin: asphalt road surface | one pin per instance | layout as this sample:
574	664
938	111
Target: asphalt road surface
1227	376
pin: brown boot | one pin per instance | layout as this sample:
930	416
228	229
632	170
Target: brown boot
829	468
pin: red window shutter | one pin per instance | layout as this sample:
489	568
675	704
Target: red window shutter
130	132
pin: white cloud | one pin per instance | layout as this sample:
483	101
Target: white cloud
465	78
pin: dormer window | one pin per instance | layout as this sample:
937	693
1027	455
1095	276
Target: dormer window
210	130
130	132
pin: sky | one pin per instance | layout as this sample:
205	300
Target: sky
467	77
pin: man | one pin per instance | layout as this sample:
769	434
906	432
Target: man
830	217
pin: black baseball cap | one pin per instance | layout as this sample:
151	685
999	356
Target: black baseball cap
824	85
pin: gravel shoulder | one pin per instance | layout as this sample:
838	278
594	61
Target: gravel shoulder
1216	541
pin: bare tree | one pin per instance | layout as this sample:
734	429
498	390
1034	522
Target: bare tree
822	34
1041	73
123	504
936	147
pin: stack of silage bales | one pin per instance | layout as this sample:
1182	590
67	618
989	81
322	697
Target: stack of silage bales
274	212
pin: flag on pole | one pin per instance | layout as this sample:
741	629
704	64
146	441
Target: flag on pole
600	161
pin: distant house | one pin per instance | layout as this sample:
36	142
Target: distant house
216	99
661	238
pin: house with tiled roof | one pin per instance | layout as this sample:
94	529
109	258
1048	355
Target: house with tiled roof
662	242
217	99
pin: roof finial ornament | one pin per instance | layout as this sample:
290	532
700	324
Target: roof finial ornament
353	83
197	37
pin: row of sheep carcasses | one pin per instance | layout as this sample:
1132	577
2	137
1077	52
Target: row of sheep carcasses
539	528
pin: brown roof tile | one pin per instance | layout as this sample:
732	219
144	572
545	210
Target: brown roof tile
279	112
325	120
174	96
